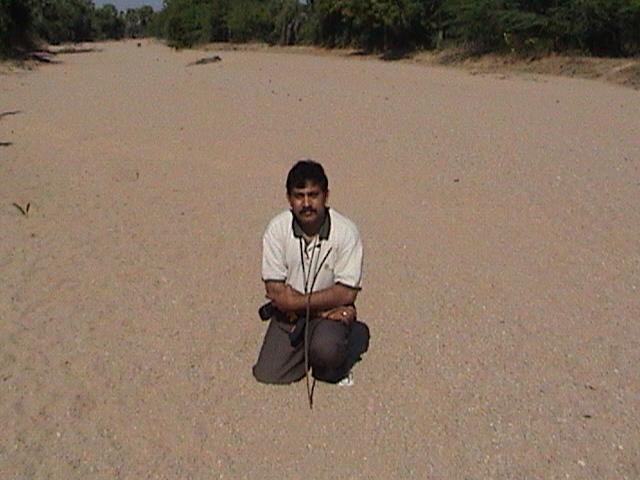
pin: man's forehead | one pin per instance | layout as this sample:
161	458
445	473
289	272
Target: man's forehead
309	185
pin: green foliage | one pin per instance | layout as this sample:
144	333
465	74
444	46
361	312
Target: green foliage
601	27
630	28
249	20
493	24
373	24
22	22
16	22
290	16
137	21
108	23
403	23
366	22
187	22
327	25
158	25
65	21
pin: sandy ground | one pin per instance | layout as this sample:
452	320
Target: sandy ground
501	220
618	71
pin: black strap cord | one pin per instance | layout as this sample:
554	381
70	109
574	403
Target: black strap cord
308	290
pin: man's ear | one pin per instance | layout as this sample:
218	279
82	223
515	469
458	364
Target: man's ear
326	196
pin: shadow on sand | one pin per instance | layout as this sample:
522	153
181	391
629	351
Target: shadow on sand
387	55
6	114
12	112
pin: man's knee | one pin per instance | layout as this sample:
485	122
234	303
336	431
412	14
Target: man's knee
262	375
329	344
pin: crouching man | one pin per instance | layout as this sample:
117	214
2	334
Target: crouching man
311	259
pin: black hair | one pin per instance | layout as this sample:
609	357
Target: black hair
306	171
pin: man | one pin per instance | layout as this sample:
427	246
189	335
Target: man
312	258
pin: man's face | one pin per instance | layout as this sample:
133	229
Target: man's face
308	204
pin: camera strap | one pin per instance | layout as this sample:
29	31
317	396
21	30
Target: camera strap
308	291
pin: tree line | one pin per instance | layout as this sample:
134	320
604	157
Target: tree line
597	27
24	23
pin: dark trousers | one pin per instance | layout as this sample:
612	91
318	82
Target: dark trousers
333	349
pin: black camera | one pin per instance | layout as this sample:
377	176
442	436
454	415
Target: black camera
267	311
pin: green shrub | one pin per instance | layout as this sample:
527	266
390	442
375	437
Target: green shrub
16	24
249	20
137	21
630	28
599	27
493	24
188	23
327	25
185	23
289	17
66	21
108	23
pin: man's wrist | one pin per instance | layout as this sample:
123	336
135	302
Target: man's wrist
299	303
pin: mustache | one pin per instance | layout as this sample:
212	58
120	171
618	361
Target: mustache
308	210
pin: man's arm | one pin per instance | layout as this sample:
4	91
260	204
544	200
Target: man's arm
286	299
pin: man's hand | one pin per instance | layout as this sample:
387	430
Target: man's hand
346	314
333	299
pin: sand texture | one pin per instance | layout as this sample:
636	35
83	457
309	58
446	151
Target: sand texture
501	221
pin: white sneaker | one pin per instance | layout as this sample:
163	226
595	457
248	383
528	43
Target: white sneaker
346	381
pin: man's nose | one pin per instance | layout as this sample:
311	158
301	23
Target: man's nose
306	201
